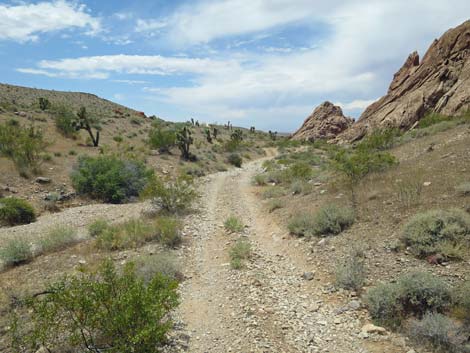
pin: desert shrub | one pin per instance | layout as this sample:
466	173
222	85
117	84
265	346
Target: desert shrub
463	189
168	231
275	205
130	234
233	224
194	170
24	146
427	232
332	220
301	224
63	119
15	252
272	192
118	138
355	165
14	211
97	227
415	293
162	139
379	140
300	187
239	252
107	310
409	189
432	119
235	160
164	263
299	171
260	179
58	239
171	195
461	301
350	273
436	330
109	178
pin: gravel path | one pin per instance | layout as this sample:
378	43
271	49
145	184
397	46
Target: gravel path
276	303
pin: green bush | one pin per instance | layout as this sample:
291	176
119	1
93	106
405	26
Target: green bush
430	232
299	171
301	187
239	252
432	119
162	139
130	234
63	119
235	160
99	311
58	239
331	220
97	227
461	301
260	179
16	252
171	195
14	211
234	224
379	140
275	205
169	231
109	178
272	192
436	330
414	293
118	138
24	146
301	225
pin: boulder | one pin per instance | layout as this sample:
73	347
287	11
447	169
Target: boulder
326	122
439	83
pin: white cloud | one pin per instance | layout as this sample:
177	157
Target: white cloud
356	104
149	25
132	82
24	22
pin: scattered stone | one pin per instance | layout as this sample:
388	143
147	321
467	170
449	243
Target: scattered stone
43	180
371	328
308	276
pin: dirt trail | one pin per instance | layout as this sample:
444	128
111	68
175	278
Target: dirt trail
268	306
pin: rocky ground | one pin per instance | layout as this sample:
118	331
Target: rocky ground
280	302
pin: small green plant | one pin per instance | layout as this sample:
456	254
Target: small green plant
162	263
233	225
432	119
171	195
235	160
239	253
275	205
301	187
260	179
16	252
301	224
237	135
105	311
57	239
332	220
433	231
415	293
169	231
98	227
350	273
64	118
109	178
44	103
14	211
162	139
461	301
409	189
118	138
130	234
273	192
72	153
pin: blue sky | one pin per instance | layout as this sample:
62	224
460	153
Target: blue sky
254	62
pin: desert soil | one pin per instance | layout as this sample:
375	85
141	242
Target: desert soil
279	302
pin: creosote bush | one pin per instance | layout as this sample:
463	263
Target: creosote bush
233	224
97	227
15	252
104	311
437	232
109	178
275	205
171	195
14	211
165	263
414	294
162	139
235	160
350	273
436	330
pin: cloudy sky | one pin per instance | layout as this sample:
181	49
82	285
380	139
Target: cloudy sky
255	62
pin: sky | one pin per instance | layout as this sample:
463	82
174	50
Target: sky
266	63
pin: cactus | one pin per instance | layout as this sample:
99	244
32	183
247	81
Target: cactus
84	122
273	135
184	140
208	135
197	123
252	129
192	121
215	132
237	135
44	104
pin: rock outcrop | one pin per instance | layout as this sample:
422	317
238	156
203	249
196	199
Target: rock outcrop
439	83
326	122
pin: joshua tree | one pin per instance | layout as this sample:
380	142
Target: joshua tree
184	140
215	131
84	122
273	135
252	129
197	123
192	121
208	135
44	104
